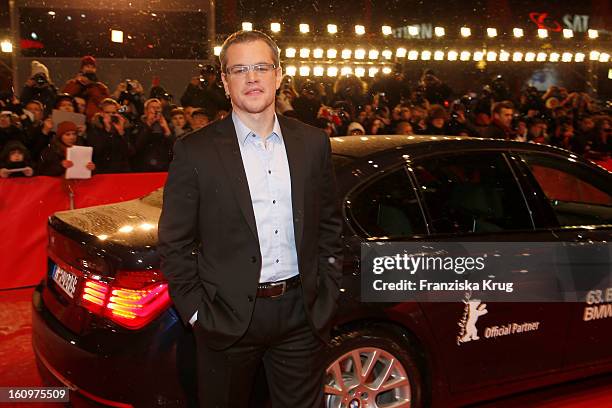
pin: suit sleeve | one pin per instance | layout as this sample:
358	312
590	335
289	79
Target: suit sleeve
178	236
330	224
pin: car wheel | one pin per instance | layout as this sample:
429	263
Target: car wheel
371	368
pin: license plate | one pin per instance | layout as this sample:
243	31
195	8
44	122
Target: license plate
65	280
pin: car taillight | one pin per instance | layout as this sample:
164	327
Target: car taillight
132	299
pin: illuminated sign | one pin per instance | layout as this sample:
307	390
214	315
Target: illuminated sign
422	31
575	22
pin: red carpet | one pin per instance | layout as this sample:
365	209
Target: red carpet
17	366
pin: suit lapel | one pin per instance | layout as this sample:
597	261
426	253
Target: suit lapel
294	145
226	142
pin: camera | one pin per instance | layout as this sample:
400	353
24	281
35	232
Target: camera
91	76
40	79
6	97
205	73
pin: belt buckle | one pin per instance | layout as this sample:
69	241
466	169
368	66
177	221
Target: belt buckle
284	288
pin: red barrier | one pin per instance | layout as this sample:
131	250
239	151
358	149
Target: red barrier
27	203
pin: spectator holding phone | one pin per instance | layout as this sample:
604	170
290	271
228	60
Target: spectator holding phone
153	140
15	161
109	138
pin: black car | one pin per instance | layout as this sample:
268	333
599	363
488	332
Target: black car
103	323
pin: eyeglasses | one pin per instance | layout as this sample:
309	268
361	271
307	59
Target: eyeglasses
244	69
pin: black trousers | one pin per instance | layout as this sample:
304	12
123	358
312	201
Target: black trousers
280	336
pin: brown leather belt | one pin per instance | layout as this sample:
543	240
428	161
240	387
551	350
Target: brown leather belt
275	289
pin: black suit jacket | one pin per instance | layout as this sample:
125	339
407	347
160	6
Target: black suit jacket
207	233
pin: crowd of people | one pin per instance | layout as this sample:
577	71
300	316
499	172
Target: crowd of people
130	132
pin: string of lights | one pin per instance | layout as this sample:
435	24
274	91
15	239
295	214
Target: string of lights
414	30
369	61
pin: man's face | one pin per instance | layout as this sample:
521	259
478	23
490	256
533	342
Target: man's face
417	114
504	116
88	69
36	110
404	128
199	121
438	122
251	93
537	129
154	109
188	111
405	114
109	109
5	121
81	104
66	106
587	124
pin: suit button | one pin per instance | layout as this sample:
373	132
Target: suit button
253	259
250	298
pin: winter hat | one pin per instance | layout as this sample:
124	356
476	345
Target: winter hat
355	126
40	68
10	147
65	127
88	60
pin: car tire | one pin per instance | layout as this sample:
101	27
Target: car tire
382	352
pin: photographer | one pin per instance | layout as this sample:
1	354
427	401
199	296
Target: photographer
39	87
86	85
434	90
37	129
204	91
307	104
285	95
130	95
437	121
109	138
153	140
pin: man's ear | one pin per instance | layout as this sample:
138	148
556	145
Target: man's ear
225	86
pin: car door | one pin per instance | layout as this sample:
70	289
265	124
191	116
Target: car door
474	196
580	198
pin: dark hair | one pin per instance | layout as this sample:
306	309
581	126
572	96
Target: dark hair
498	106
240	37
200	111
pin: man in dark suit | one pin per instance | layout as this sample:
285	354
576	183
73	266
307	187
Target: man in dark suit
250	239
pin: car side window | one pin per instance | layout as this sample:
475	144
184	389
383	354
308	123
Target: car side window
578	195
471	193
388	207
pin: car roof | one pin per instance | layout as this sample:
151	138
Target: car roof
363	146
